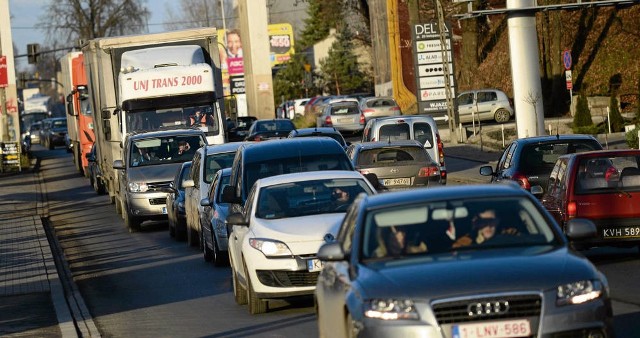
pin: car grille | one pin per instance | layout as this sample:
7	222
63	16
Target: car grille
158	186
457	311
278	278
158	201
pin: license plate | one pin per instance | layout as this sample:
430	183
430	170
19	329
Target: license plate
501	329
621	232
397	181
345	120
164	210
314	265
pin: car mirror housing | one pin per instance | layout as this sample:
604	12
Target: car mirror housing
205	202
188	184
486	170
229	195
580	229
537	191
236	219
118	164
331	252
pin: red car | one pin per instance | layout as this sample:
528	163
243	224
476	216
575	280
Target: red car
603	186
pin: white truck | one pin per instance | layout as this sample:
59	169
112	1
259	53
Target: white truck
152	82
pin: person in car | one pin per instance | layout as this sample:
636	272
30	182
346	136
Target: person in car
394	241
485	229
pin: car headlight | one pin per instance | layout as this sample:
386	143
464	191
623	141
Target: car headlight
578	292
390	309
138	187
270	248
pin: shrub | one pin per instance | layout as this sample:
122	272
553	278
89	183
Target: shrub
582	117
632	138
590	130
617	122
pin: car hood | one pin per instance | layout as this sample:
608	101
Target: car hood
153	173
299	229
471	273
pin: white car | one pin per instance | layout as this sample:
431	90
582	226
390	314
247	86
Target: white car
273	245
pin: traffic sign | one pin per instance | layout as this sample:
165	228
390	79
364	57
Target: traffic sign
566	59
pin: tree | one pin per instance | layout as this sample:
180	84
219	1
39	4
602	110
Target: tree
69	20
290	82
582	117
617	122
340	72
200	13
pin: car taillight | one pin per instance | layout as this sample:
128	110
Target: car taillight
368	111
610	173
428	171
394	108
522	180
362	119
572	209
440	149
327	121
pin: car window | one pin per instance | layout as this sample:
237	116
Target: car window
394	132
424	134
507	155
425	227
392	157
608	173
540	158
184	176
466	98
217	161
487	96
344	109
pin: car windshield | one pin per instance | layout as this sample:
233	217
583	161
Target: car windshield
275	125
216	162
306	198
401	232
162	150
608	174
382	157
203	117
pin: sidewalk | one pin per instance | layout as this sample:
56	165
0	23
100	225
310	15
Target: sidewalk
33	298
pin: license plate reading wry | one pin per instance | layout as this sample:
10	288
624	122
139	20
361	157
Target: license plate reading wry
397	181
314	265
501	329
621	232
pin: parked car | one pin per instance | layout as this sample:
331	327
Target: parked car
268	129
311	132
522	283
175	203
528	161
214	235
272	245
205	164
298	106
603	186
422	128
379	106
344	114
484	105
398	164
309	107
95	174
53	132
239	129
150	164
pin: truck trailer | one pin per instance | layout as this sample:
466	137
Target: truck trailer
79	119
149	82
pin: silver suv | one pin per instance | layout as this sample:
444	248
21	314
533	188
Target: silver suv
422	128
484	105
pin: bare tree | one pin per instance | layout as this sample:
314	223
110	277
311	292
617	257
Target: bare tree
69	20
201	13
532	99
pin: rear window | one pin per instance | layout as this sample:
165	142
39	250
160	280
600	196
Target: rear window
540	158
392	156
424	134
344	109
394	132
217	161
379	103
608	174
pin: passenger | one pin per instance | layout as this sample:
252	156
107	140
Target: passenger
393	242
183	148
484	230
200	119
143	155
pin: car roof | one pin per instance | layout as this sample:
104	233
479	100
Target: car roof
286	147
551	138
309	176
409	118
444	193
604	153
222	148
383	144
316	130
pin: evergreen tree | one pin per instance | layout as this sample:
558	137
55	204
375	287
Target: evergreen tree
289	83
317	25
617	122
582	118
340	72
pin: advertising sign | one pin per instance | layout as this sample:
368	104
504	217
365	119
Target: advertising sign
281	42
431	68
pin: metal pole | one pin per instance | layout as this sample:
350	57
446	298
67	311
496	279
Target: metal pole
447	76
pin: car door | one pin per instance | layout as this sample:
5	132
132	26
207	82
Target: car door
239	234
466	107
502	167
191	199
486	102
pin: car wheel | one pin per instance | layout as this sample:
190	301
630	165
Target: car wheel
219	258
255	304
239	293
100	189
206	252
502	116
130	221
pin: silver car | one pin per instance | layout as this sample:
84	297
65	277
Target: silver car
484	105
379	106
343	114
463	261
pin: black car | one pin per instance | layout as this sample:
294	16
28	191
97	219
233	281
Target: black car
95	175
267	129
175	203
53	133
464	261
528	161
239	129
320	131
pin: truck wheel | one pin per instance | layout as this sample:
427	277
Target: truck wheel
131	222
99	186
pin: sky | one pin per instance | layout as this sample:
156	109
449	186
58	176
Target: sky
25	15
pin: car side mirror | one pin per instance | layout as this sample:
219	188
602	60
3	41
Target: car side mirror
229	195
118	164
205	202
331	252
580	228
236	219
188	184
486	170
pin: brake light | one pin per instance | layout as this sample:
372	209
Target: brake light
610	173
362	119
428	171
522	180
440	149
572	209
368	111
327	121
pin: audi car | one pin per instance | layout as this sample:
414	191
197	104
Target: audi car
460	261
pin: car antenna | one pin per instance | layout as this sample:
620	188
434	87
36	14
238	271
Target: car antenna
389	139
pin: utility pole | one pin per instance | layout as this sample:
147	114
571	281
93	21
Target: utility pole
9	117
451	109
